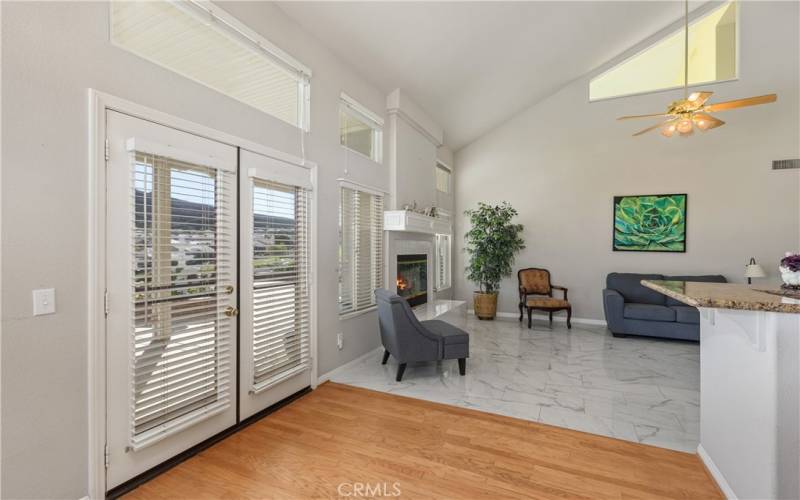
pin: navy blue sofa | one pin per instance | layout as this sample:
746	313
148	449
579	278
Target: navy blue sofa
633	309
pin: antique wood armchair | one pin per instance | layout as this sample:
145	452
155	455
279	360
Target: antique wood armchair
536	293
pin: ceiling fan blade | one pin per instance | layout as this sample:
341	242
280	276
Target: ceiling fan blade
699	98
740	103
704	121
648	129
641	116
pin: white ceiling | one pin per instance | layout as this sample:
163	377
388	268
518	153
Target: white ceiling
472	65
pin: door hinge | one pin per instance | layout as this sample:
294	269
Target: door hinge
105	302
107	456
108	150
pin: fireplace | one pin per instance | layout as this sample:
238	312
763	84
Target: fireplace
412	278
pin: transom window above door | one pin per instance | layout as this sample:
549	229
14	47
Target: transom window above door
202	42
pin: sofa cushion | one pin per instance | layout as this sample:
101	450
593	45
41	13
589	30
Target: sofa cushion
649	312
706	278
630	287
686	314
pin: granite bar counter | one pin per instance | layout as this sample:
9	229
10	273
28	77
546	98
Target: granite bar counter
728	296
749	385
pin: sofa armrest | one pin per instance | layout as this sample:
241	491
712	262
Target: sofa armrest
614	306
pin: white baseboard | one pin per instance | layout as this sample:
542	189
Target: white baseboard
558	318
327	376
715	473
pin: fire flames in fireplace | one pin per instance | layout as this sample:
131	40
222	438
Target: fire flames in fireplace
412	278
402	283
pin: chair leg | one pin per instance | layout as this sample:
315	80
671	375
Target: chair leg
462	366
551	318
569	317
520	311
530	320
400	369
385	357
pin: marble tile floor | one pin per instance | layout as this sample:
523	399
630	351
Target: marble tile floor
637	389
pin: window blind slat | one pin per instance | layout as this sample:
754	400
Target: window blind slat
281	290
187	40
360	249
182	261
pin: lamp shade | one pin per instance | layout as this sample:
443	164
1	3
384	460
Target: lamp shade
754	271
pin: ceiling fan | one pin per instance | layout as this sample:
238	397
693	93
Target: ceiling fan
684	115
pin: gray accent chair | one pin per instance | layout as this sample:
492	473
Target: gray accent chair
410	340
633	309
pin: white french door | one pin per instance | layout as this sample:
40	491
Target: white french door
170	277
275	274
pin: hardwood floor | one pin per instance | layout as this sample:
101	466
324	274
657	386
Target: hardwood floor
339	438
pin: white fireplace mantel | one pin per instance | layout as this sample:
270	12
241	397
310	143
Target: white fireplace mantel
412	222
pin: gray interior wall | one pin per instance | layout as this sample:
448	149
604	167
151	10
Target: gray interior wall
561	162
52	53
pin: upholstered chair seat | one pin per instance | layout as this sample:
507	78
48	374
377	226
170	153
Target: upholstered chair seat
547	302
410	340
536	293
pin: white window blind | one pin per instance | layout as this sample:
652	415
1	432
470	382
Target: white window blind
443	256
442	178
204	43
360	130
281	294
360	249
182	259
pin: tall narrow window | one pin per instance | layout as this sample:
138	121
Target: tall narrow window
443	271
281	298
360	249
712	58
206	44
180	360
442	178
360	130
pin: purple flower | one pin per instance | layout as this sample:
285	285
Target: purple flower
791	262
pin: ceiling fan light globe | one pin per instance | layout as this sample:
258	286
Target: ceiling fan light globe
684	126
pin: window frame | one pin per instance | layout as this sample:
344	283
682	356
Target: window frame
443	166
448	262
241	33
350	265
694	17
354	109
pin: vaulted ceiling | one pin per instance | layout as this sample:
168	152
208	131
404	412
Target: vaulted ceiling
473	65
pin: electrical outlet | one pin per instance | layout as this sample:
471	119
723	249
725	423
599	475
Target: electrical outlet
340	341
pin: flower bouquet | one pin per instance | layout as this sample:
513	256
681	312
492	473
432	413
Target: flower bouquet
790	270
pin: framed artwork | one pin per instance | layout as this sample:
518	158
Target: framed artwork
650	223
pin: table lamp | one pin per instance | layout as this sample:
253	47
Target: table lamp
753	270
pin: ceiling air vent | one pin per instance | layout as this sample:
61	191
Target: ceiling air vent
785	164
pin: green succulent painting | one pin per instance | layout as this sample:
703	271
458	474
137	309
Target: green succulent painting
651	223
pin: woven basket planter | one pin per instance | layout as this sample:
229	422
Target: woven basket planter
485	305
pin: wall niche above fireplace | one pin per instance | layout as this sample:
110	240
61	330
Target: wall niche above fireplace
412	278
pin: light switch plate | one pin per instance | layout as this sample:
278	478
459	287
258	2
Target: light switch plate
44	301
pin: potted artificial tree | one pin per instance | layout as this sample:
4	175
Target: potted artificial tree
492	242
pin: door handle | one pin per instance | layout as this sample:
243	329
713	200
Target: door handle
231	311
